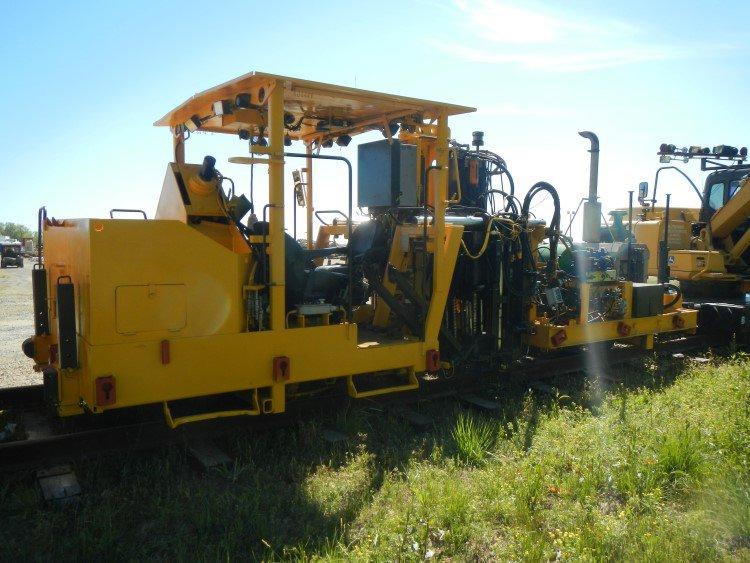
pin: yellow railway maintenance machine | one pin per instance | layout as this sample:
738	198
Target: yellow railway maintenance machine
200	303
706	248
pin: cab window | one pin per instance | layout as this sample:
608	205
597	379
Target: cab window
716	196
733	186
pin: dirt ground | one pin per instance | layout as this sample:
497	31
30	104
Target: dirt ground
16	323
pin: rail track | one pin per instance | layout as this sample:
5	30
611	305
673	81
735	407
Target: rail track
48	440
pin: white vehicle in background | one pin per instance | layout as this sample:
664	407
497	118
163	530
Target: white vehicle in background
11	254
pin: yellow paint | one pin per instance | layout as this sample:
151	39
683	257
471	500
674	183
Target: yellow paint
651	233
694	265
733	213
606	331
581	331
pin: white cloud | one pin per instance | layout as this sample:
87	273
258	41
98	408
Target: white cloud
544	40
503	23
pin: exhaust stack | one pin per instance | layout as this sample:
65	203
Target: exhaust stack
592	209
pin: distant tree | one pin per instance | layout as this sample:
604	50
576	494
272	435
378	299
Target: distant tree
15	231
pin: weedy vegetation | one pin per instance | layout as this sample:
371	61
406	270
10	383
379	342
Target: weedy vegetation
655	467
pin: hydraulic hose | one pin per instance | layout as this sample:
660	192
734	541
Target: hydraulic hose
500	168
554	226
513	202
504	170
678	294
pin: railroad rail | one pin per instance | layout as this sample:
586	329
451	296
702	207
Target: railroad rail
51	440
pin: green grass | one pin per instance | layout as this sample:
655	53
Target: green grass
473	438
656	468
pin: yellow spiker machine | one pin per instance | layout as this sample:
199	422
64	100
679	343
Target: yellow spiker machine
195	303
212	299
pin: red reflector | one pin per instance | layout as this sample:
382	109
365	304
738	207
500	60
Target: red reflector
678	322
473	172
623	329
165	352
432	361
282	368
105	391
559	337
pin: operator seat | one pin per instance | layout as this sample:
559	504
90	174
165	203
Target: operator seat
329	282
307	284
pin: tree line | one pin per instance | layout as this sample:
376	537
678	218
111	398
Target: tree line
15	231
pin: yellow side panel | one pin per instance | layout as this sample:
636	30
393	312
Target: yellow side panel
103	256
242	361
689	264
687	214
204	277
147	308
651	233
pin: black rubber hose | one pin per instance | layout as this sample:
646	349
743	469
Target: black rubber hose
504	169
509	197
554	226
500	163
678	294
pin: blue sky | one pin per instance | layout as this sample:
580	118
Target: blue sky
84	81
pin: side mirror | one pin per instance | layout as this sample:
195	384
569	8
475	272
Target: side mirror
642	192
299	192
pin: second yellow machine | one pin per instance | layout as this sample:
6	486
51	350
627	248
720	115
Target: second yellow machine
445	270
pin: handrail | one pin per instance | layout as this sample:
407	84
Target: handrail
113	211
41	220
656	183
331	212
350	279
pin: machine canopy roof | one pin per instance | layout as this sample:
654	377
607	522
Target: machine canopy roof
340	108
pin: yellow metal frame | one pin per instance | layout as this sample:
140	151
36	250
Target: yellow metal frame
581	331
610	331
442	277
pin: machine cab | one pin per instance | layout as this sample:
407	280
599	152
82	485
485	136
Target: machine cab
719	188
